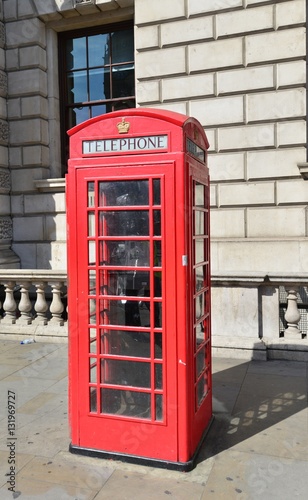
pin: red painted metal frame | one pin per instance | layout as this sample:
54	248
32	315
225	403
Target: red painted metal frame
174	441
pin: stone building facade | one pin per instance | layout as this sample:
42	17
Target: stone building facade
239	67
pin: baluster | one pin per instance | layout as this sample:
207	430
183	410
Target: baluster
56	306
9	304
25	305
40	305
292	315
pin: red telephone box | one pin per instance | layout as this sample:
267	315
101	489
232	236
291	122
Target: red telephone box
139	287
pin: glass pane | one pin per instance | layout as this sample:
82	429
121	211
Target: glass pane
76	56
158	407
92	311
157	253
199	251
200	361
124	253
122	46
123	83
199	334
124	283
93	371
200	306
158	376
158	350
92	282
124	223
199	222
199	194
91	194
77	87
126	343
98	49
100	110
125	312
91	224
92	253
126	403
93	399
123	193
156	192
157	314
99	84
157	222
131	373
78	115
199	278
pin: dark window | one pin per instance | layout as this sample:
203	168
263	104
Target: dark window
96	74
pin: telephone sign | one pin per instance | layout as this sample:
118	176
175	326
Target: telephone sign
140	385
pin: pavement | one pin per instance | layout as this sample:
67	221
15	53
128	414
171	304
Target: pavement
257	446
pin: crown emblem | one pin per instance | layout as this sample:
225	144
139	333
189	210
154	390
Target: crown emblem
123	126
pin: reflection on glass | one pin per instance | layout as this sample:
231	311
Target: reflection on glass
76	56
77	86
123	81
158	347
130	373
156	192
92	252
202	388
158	376
91	194
93	346
126	343
124	282
199	222
78	115
97	88
157	253
98	47
100	109
199	194
93	377
93	399
199	334
91	224
122	46
124	193
127	253
200	361
199	251
124	223
92	311
199	278
125	312
158	407
92	282
157	222
126	403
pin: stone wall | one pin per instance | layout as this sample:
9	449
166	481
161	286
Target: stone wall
237	66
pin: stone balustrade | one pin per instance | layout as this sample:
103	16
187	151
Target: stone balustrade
33	304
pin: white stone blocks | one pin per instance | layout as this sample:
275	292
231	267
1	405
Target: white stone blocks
246	194
198	7
291	133
275	46
4	156
186	87
26	32
3	109
29	131
227	167
4	204
290	13
289	192
34	106
249	137
27	82
44	203
213	195
187	31
276	105
33	57
36	155
248	79
147	37
291	73
22	179
218	54
12	59
148	91
27	229
276	222
274	164
150	12
55	228
228	223
161	62
245	21
13	108
222	111
178	107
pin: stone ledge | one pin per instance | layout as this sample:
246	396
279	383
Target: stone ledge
303	169
50	185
